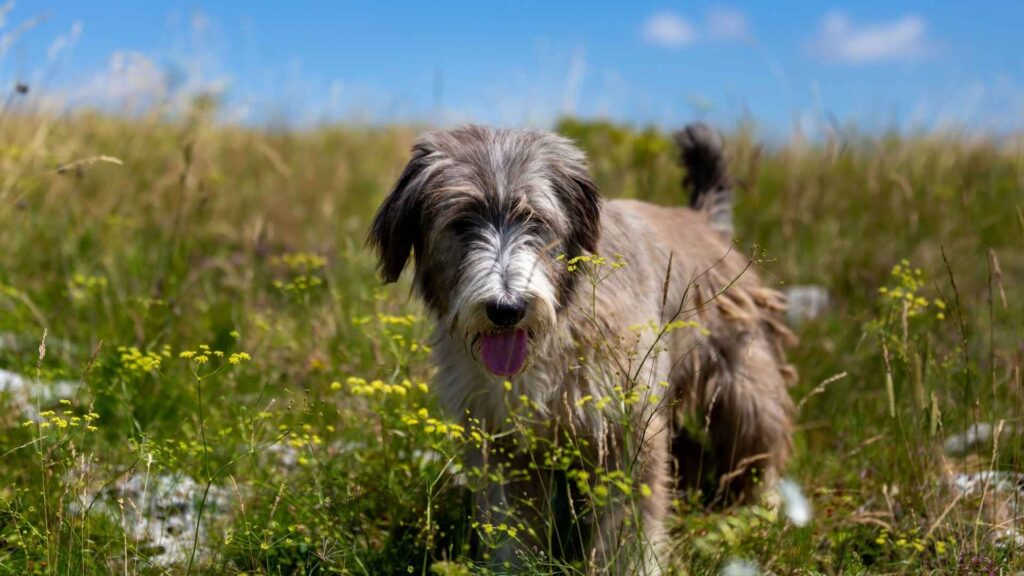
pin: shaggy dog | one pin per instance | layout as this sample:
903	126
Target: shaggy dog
616	355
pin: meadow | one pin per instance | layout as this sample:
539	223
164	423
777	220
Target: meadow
202	372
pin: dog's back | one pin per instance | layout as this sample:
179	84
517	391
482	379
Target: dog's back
683	266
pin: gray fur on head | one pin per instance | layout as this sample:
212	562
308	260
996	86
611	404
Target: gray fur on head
504	192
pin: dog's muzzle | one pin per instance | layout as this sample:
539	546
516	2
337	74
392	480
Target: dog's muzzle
504	351
506	312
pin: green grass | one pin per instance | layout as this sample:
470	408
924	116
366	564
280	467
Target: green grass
247	241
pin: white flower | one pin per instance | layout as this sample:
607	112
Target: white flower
740	567
794	503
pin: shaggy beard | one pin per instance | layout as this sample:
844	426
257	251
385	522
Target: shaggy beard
501	266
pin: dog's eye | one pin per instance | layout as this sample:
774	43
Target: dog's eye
462	225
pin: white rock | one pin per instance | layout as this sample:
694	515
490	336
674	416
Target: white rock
976	435
25	392
806	303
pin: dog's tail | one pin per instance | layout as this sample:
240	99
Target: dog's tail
702	154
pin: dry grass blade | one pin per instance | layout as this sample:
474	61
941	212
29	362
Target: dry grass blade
938	521
997	275
80	165
278	163
819	389
739	470
890	389
664	287
42	351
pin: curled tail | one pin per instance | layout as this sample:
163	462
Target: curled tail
702	154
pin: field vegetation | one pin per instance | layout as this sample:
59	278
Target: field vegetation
202	372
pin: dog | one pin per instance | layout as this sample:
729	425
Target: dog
672	323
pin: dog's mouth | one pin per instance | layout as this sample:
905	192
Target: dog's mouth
504	353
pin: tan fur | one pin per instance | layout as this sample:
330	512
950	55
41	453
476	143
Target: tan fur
735	377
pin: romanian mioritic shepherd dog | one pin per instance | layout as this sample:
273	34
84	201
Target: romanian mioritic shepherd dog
684	332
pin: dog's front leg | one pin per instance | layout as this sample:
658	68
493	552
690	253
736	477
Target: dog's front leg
492	509
514	515
630	530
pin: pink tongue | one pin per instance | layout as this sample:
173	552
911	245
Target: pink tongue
505	352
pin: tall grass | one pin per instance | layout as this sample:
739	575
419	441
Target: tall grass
210	291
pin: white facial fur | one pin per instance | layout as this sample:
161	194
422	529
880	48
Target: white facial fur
501	264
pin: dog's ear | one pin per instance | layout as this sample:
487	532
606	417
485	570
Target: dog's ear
396	228
582	201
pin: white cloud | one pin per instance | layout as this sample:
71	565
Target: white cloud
839	40
669	30
728	24
131	79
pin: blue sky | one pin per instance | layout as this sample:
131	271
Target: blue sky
913	64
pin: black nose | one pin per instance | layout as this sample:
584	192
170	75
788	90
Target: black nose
506	312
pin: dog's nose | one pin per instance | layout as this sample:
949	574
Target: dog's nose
506	312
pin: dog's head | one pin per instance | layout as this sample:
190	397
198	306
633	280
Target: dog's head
485	213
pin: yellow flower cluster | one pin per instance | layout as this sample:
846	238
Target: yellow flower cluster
360	387
909	282
301	261
406	320
592	261
490	529
398	329
66	419
83	285
408	411
192	447
913	541
135	360
298	284
432	425
621	395
681	324
89	282
305	438
303	264
203	354
600	488
670	327
599	404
